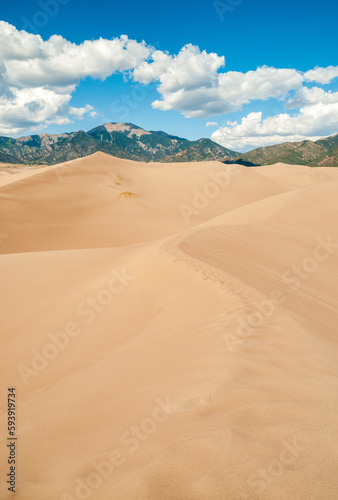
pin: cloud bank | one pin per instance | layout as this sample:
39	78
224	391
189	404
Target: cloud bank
38	79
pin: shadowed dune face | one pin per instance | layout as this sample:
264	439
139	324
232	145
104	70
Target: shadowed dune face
171	330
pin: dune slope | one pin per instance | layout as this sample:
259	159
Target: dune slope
171	331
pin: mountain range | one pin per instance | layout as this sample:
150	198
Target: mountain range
126	140
123	140
321	153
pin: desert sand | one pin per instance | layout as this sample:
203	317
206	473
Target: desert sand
171	331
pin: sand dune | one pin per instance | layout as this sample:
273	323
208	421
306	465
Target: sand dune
87	203
171	330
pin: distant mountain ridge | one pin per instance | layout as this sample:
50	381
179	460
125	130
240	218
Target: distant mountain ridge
123	140
321	153
6	158
126	140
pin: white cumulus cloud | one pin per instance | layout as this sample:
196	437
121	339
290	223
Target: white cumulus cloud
308	96
190	69
312	122
38	78
191	83
322	75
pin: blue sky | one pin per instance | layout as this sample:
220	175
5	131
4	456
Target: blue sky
266	92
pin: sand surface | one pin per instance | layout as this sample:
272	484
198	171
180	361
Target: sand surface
171	331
